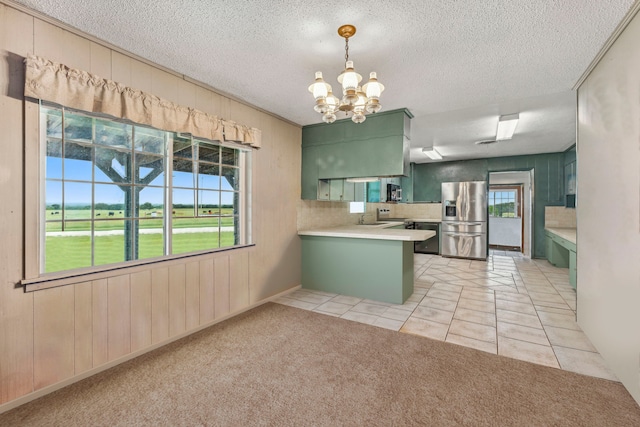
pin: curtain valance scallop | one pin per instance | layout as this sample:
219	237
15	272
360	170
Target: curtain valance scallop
50	81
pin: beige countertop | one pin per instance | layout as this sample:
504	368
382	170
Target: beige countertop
566	233
372	231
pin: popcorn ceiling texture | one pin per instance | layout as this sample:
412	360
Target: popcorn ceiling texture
432	56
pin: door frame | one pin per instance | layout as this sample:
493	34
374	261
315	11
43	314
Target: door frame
526	179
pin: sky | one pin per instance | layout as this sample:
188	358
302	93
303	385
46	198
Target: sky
80	192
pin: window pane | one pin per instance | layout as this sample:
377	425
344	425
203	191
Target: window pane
78	127
112	165
194	235
183	201
53	168
209	202
150	238
208	152
230	178
113	134
150	169
229	156
183	173
77	200
66	251
53	196
228	201
208	176
228	232
149	140
151	201
110	200
182	147
53	228
53	122
109	242
78	159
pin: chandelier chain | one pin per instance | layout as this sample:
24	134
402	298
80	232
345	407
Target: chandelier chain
346	49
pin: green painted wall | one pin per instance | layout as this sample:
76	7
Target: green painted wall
548	182
570	155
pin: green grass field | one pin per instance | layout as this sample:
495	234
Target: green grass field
183	218
66	253
71	252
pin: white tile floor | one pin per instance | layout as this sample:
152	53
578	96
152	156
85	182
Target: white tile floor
509	305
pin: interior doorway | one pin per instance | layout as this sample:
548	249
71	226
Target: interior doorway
509	201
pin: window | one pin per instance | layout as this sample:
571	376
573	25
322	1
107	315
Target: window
117	192
504	203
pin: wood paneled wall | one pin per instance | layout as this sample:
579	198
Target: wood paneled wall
57	335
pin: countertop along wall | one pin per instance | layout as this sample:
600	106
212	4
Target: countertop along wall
50	338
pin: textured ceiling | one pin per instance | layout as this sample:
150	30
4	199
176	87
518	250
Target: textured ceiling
456	65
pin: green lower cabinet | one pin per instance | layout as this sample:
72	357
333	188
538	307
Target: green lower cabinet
549	247
557	250
380	270
573	270
562	253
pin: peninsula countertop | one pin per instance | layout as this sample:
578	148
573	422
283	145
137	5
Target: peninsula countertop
378	231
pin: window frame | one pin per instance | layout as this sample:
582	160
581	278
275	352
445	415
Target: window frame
516	190
35	276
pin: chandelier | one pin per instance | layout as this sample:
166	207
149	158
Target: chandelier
356	99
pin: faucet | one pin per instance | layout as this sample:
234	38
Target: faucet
361	219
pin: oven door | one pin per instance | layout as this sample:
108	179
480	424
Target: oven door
429	246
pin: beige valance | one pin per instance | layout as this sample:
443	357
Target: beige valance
54	82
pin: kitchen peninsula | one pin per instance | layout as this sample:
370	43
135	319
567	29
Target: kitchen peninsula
365	261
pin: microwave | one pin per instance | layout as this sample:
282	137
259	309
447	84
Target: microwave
394	193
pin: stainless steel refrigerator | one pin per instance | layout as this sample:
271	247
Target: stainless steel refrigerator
464	219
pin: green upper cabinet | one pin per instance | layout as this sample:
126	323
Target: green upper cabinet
343	149
570	181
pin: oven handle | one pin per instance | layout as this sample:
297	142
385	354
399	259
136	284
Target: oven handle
458	224
462	234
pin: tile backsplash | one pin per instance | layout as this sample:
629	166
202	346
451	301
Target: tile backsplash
323	214
559	217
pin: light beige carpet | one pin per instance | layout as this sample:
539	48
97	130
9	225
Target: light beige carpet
280	366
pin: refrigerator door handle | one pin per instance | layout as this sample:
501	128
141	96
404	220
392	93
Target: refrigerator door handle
463	235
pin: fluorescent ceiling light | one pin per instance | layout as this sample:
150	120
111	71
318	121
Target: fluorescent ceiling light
507	126
365	179
432	153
